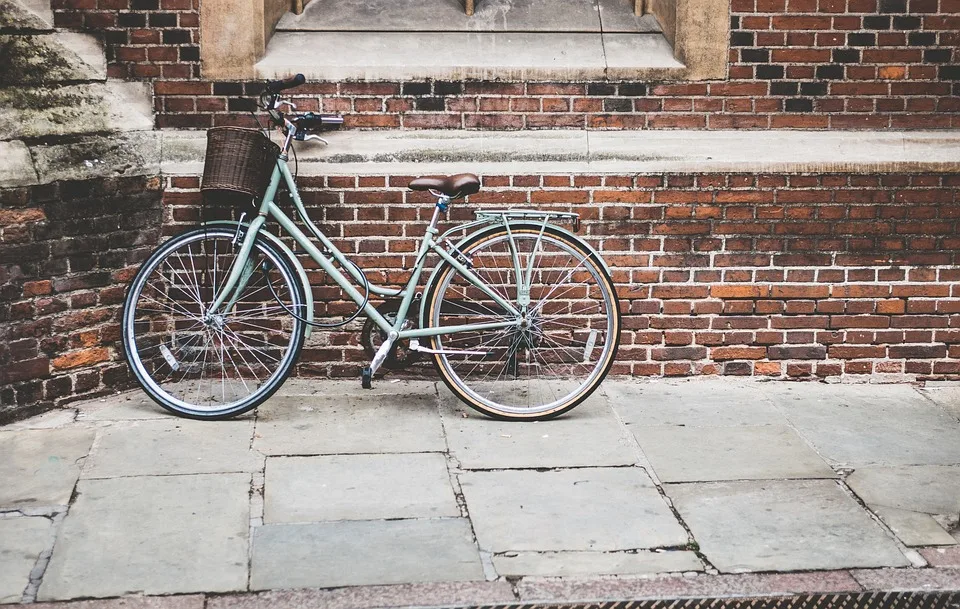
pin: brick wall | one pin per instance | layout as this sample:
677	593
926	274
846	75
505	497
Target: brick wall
812	64
799	276
66	252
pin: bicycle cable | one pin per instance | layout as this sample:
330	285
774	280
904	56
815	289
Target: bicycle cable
366	299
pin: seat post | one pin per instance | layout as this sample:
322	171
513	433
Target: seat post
443	202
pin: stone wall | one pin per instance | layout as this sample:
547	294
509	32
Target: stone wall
806	64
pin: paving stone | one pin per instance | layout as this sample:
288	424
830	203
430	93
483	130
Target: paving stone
860	425
716	586
947	396
357	487
782	526
338	424
694	454
942	557
356	553
173	446
931	489
396	389
588	435
183	601
131	405
693	403
152	535
440	594
573	564
914	528
22	540
40	467
902	580
580	509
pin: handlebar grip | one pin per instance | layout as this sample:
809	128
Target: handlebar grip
275	86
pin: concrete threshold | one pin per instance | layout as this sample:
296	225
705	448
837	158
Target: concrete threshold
579	152
469	55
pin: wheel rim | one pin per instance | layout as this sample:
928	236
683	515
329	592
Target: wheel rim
563	347
200	363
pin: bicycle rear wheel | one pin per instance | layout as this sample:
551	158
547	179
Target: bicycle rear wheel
555	358
203	365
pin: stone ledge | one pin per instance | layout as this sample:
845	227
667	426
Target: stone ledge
578	152
500	153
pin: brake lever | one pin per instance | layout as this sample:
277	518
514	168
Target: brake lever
283	102
316	137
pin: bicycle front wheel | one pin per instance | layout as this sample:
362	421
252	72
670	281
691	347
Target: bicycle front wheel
550	360
206	364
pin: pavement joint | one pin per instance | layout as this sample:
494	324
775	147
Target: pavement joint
43	560
915	558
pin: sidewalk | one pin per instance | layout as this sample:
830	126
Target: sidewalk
400	496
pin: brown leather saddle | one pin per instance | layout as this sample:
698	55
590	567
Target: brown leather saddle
454	186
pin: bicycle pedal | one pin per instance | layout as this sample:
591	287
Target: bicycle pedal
366	378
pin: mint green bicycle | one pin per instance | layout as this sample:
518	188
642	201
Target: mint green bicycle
520	316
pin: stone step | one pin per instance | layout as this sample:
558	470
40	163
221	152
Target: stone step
45	111
48	59
438	16
475	55
26	15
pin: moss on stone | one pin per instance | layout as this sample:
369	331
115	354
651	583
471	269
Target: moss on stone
37	60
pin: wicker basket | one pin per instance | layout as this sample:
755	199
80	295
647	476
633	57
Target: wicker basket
239	162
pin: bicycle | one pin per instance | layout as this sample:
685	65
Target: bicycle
520	316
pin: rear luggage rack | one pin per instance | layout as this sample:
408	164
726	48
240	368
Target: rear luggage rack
503	215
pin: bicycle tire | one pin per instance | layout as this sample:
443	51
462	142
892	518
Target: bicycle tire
166	331
604	327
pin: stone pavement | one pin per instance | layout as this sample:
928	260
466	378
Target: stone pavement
333	496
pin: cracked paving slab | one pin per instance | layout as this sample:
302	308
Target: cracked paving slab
692	403
152	535
358	487
860	425
782	526
22	540
574	564
173	446
364	552
589	435
907	499
329	423
40	467
585	509
701	454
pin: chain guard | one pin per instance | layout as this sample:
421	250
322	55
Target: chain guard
371	337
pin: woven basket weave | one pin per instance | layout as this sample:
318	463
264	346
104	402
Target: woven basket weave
239	161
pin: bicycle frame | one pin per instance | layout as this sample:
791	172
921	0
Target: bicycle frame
330	254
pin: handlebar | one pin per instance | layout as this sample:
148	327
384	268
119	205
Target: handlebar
275	86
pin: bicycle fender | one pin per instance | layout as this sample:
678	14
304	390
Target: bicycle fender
492	227
291	258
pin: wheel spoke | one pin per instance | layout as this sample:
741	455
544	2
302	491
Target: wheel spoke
536	368
204	371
